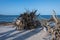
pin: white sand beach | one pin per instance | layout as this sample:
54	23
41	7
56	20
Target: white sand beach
9	33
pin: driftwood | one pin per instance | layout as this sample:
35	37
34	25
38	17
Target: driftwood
19	24
54	16
27	20
55	31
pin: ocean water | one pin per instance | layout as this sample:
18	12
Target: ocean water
10	18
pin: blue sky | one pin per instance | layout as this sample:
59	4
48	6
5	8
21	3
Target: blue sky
15	7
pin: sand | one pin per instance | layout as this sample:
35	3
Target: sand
9	33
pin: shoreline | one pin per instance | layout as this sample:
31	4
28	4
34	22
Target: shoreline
5	23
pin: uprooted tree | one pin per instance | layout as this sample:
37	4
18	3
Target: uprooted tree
27	20
55	31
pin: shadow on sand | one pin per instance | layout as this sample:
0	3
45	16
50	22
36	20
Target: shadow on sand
27	35
7	35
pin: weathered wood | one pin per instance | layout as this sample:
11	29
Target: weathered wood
28	20
54	16
55	31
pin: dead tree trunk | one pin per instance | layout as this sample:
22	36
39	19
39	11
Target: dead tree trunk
56	30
